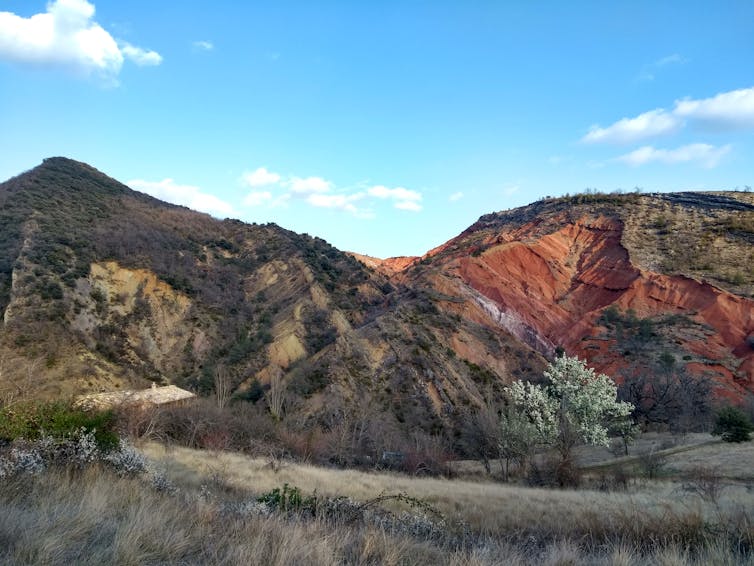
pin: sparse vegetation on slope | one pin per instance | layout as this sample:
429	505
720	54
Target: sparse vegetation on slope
112	288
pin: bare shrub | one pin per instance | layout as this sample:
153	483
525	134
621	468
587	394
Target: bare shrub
551	471
138	421
615	479
706	482
427	455
202	424
652	463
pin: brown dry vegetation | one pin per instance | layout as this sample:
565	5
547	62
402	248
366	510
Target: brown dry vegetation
95	517
647	516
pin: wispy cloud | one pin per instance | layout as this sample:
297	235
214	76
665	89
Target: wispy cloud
185	195
702	154
67	36
648	72
557	159
203	45
455	196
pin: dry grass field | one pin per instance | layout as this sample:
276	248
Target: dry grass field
654	515
96	517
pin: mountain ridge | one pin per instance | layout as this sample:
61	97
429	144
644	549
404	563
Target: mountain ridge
108	288
104	287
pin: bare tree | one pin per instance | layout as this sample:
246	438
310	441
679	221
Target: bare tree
276	394
222	386
16	378
668	395
480	435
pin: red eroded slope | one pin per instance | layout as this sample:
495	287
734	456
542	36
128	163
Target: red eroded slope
550	290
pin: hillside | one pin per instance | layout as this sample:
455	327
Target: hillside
634	283
102	287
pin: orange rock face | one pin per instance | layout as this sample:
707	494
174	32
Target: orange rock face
389	266
550	290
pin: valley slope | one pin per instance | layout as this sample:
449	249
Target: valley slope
102	287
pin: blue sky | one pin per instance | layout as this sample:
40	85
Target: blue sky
384	127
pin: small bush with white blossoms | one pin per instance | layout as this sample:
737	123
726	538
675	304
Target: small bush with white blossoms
126	460
21	461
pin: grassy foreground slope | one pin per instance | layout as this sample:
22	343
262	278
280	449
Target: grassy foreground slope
210	515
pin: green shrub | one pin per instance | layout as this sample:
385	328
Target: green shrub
733	425
58	420
289	498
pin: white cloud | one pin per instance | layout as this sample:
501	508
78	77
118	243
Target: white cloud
260	177
341	202
403	199
204	45
703	154
142	57
650	124
511	190
258	198
455	196
186	195
67	36
733	109
727	110
398	193
411	205
308	185
321	193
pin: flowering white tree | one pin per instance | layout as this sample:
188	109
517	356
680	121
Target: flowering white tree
577	406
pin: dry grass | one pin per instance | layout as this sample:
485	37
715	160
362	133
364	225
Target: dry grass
652	514
589	457
97	518
730	461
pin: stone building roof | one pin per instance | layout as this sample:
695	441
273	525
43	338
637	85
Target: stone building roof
154	396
